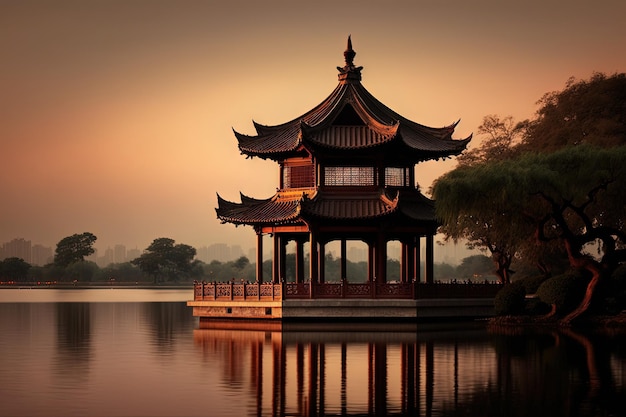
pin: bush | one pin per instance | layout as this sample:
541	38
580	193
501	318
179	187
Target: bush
564	291
510	299
531	283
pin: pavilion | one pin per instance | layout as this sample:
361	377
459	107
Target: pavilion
347	173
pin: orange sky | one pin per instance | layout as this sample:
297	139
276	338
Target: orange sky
116	117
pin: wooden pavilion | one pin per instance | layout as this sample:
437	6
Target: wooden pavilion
347	172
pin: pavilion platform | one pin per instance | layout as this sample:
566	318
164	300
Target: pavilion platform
343	301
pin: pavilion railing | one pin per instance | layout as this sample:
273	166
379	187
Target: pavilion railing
224	291
340	290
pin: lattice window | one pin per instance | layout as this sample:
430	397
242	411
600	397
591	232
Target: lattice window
298	176
349	176
396	177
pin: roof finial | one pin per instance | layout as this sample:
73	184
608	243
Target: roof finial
349	73
349	53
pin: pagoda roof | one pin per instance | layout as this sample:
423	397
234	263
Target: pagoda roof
288	209
350	118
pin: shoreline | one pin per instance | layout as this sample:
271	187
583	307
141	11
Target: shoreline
96	286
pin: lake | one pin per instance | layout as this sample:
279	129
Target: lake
136	352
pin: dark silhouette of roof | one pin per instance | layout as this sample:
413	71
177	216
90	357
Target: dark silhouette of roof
351	118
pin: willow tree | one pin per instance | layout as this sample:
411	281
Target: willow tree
474	202
572	196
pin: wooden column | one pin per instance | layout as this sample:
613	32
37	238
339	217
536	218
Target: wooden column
430	259
313	261
321	269
371	262
282	265
381	258
299	261
416	259
403	262
259	257
343	272
276	260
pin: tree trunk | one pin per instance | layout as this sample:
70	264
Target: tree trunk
582	262
503	262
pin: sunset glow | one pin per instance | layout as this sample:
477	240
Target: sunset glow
116	118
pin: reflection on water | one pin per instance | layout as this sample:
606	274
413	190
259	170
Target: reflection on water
153	359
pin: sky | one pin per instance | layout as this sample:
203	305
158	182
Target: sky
117	117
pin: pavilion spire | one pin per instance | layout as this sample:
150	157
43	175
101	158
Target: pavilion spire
349	73
349	53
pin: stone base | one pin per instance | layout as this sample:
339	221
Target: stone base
349	310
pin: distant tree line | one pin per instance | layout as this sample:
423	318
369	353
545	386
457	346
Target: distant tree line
165	261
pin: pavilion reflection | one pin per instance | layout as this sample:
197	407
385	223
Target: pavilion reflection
346	370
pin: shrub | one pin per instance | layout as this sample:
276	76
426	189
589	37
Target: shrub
531	283
565	291
510	299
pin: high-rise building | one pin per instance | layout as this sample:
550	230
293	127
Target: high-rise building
17	248
41	255
119	254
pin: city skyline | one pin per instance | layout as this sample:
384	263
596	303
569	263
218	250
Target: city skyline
117	117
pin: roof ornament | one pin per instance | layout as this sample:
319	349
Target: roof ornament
349	73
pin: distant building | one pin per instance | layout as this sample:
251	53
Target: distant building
132	254
119	254
17	248
41	255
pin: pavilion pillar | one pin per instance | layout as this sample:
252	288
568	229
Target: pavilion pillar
381	258
417	259
403	262
276	259
410	260
370	262
259	257
313	262
322	263
282	260
430	256
343	272
299	261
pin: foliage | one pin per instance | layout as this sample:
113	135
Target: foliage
531	283
500	138
83	271
475	267
474	203
14	269
233	270
164	259
510	300
121	272
586	111
564	291
74	248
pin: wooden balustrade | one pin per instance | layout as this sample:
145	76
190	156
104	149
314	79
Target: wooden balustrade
234	291
339	290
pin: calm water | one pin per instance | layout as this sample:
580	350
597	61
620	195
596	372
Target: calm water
127	352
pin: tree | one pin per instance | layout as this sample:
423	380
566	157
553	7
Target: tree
14	269
473	203
74	249
500	138
475	266
586	111
165	259
572	196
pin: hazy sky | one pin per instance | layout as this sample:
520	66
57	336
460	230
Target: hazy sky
116	117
